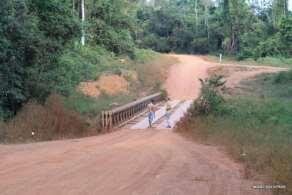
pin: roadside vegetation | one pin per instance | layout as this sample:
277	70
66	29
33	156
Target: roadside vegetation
144	73
262	61
77	115
254	125
43	61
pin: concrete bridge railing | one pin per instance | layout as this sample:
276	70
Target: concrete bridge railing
121	115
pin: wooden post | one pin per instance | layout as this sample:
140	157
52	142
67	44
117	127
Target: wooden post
105	119
114	119
102	119
110	120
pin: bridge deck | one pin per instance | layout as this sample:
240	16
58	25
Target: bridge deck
179	108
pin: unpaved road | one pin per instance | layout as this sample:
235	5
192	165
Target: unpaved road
182	82
127	162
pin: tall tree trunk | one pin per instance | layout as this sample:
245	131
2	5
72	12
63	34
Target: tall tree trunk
83	21
207	4
280	9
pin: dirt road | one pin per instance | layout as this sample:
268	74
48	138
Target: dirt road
127	162
182	82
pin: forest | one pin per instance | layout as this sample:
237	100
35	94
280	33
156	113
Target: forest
41	52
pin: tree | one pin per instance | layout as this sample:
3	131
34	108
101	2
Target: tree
280	10
286	35
13	20
32	37
112	24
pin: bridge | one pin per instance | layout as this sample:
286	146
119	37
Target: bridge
134	115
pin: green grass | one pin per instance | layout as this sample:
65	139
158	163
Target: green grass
151	71
142	61
266	61
272	86
255	127
273	61
83	63
91	107
144	55
91	62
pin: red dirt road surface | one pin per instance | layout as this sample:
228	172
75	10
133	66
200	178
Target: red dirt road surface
127	162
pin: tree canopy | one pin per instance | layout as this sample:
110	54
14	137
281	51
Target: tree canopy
235	27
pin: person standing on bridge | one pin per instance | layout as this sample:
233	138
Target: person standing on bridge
151	112
167	113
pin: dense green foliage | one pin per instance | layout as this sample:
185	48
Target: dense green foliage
231	26
112	23
40	51
88	106
32	38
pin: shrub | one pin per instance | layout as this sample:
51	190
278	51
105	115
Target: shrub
50	121
79	64
144	55
156	43
269	47
283	77
199	45
118	41
91	107
210	99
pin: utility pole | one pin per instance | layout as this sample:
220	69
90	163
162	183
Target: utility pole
83	21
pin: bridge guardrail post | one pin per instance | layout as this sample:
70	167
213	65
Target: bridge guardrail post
120	115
